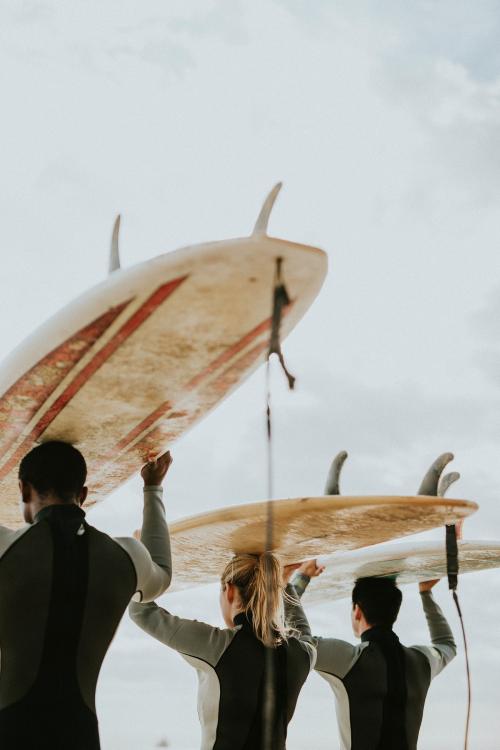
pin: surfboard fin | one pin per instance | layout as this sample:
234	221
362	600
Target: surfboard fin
429	485
260	227
446	482
332	486
114	253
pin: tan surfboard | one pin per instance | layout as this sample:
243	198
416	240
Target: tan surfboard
301	528
408	562
128	367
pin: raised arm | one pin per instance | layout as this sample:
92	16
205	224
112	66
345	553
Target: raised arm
300	582
304	573
189	637
151	556
334	657
443	648
296	618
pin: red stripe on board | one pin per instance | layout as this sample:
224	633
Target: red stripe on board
229	353
166	406
148	445
21	402
131	325
150	419
230	376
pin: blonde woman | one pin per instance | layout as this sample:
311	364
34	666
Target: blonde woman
251	673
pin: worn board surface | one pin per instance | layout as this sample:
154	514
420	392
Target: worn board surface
408	562
129	366
302	528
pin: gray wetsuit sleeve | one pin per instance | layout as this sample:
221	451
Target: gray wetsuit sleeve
334	657
151	556
300	582
296	618
188	637
443	648
9	536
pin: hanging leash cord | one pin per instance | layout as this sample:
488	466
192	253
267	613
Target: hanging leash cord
280	301
452	568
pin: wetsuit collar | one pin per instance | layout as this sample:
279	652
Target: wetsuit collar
68	511
379	633
243	619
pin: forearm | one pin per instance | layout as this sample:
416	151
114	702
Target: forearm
154	532
295	617
188	637
439	630
153	620
300	582
443	644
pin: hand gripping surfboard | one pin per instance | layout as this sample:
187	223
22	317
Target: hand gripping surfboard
125	369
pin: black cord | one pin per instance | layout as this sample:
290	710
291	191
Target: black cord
467	667
280	301
452	568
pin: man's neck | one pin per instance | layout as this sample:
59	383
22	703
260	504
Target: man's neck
363	627
40	505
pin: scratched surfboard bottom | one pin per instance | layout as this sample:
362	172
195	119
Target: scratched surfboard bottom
408	562
127	368
301	528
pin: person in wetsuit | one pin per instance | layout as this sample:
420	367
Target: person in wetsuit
251	673
380	685
64	587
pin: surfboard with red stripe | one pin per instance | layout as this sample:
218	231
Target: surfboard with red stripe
128	367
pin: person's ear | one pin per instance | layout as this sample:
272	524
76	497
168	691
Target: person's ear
83	495
357	613
230	592
26	491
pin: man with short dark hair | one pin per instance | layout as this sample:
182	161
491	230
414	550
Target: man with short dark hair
64	587
380	686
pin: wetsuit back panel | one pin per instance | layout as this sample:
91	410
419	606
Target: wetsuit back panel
242	678
63	588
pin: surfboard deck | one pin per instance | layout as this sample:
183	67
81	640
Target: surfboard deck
302	528
408	562
124	370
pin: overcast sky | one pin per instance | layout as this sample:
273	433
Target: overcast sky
383	121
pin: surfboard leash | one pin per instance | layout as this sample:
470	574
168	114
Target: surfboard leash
280	300
452	569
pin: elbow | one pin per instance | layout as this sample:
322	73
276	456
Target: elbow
158	587
135	612
164	583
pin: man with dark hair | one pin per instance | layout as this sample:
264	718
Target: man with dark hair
380	686
64	587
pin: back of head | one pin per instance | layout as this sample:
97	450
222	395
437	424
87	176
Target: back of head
379	599
55	468
259	581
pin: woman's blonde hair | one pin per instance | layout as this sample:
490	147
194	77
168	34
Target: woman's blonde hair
259	581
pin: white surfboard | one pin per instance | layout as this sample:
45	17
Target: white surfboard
407	562
301	528
128	367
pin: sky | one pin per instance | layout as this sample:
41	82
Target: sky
383	121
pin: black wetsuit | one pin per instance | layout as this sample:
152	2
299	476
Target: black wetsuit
64	587
232	674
